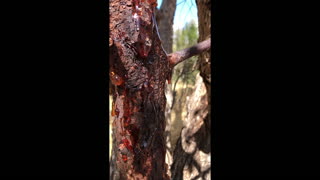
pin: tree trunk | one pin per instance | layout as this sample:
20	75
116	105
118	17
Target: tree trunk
164	18
191	157
138	72
204	14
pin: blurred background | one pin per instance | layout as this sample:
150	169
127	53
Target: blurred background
182	25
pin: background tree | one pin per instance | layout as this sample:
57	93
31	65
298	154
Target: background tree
191	158
185	71
183	79
164	18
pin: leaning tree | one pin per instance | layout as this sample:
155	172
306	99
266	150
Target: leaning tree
139	69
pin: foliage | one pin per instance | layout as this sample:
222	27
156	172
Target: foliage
184	38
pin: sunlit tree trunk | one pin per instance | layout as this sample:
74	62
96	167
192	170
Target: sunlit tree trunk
164	17
191	158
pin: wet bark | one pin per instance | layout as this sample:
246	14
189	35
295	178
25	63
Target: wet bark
139	68
138	72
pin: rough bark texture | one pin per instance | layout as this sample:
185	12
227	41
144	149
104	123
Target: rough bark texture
204	14
138	72
164	17
191	158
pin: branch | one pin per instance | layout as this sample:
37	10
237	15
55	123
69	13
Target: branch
179	56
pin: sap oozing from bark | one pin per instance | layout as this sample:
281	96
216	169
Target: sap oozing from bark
144	24
140	69
116	79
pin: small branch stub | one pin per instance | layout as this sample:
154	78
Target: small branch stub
179	56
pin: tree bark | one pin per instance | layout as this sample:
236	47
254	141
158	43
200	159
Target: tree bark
204	14
191	157
138	72
164	17
139	68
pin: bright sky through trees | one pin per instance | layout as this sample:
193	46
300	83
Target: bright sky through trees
185	12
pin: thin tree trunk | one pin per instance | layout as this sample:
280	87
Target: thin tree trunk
164	17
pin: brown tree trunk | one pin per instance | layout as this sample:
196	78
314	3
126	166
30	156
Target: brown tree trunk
204	14
138	72
191	157
164	17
